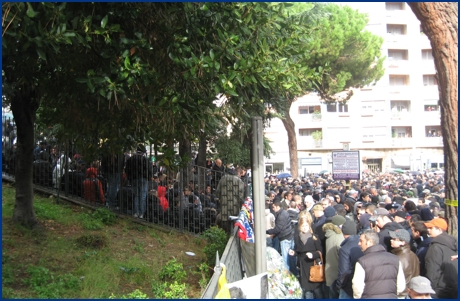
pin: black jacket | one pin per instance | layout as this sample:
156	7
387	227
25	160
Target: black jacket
283	229
138	167
440	269
422	248
349	253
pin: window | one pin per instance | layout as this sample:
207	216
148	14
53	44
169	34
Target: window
401	132
433	131
431	108
337	107
394	5
427	55
397	54
399	80
309	109
370	106
307	132
374	132
400	106
429	80
396	29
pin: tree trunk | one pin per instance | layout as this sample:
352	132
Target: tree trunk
24	106
185	148
440	23
292	143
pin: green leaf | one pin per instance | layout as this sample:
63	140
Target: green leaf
41	54
81	80
30	11
104	21
211	54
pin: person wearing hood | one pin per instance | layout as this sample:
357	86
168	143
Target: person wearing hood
422	242
440	268
349	207
426	214
386	224
400	242
334	238
364	223
349	253
92	187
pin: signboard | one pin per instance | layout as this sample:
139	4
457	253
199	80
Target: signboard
345	165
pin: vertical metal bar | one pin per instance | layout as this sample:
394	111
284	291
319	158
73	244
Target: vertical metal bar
257	162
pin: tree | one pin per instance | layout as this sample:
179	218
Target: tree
440	23
342	52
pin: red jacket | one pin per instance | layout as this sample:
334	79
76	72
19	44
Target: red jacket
92	187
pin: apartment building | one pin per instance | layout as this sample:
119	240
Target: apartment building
394	124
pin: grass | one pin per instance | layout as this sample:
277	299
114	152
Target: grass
81	253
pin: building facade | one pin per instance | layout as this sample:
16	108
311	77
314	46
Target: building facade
394	124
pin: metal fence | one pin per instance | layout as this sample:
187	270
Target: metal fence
189	195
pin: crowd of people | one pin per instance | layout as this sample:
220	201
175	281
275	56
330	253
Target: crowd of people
384	236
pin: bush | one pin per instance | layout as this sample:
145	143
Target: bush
216	241
173	270
106	216
95	241
165	290
137	294
49	286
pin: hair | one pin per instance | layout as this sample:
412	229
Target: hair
297	197
371	209
410	206
341	211
306	219
422	200
317	207
292	204
364	194
371	236
415	218
419	226
277	203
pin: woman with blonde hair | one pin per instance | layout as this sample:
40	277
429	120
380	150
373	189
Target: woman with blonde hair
307	247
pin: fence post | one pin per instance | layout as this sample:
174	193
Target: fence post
257	169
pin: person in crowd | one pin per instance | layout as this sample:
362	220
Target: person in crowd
318	215
298	202
92	187
139	171
309	202
400	242
378	274
269	224
293	212
217	172
283	230
349	253
400	218
426	214
307	247
419	288
286	203
112	168
440	269
334	238
386	224
230	192
329	213
422	242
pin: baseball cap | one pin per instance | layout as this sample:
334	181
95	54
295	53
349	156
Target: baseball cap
393	205
400	234
437	222
421	285
401	214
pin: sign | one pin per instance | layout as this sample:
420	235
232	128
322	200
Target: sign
345	165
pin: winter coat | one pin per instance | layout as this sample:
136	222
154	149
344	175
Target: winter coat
322	235
318	223
384	234
311	245
283	229
378	275
440	269
334	238
410	264
92	187
349	253
230	192
422	247
293	214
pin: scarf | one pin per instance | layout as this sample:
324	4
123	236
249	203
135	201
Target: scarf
304	236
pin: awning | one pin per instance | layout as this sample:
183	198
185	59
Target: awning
401	161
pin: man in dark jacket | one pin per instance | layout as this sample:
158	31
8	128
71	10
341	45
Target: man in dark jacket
139	171
400	242
283	230
378	274
386	224
440	268
349	253
112	168
422	241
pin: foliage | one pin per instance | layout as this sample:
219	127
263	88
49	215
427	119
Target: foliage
106	216
166	290
90	223
47	285
96	241
317	135
137	294
216	242
172	270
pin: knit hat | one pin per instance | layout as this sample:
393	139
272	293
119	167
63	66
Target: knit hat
329	212
338	220
437	222
421	285
349	228
401	214
400	234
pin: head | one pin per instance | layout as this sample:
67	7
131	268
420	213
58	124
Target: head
365	197
317	210
387	200
436	227
218	162
277	206
419	287
399	216
399	238
288	196
409	206
368	239
382	220
370	209
419	230
305	223
325	202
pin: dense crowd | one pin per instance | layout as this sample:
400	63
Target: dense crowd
384	236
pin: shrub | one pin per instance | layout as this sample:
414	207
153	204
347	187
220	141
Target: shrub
137	294
173	270
49	286
216	241
95	241
106	216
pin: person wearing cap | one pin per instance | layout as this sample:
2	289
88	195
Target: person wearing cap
400	242
378	274
334	238
440	269
139	170
419	288
349	253
386	224
400	218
